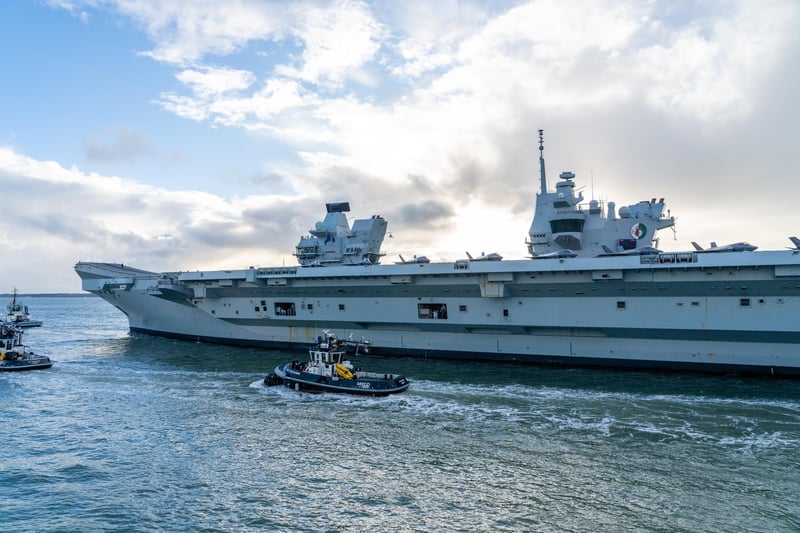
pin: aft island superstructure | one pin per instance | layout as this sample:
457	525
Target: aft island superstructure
595	291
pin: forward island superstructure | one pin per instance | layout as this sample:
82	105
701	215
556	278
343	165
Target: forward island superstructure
595	291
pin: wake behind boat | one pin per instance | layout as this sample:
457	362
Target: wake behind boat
329	370
14	356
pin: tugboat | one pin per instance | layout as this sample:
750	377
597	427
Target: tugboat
329	370
17	314
14	356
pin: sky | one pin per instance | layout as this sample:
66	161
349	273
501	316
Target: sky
173	135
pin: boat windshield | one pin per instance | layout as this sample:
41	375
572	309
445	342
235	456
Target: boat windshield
333	357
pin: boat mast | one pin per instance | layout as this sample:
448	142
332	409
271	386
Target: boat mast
541	162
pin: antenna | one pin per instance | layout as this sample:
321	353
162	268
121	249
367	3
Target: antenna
541	163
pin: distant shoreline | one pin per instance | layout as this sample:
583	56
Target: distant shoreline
48	294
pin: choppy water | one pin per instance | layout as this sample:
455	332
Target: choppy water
139	433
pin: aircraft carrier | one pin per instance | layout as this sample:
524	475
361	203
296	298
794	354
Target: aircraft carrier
595	291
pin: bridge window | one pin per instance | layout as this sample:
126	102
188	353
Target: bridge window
567	225
744	302
621	305
285	309
432	311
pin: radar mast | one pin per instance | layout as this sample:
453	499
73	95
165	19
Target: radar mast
541	162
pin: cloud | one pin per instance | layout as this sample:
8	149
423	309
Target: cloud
117	145
90	216
709	67
274	183
425	214
566	55
186	32
494	72
208	81
427	35
281	107
338	39
427	113
72	7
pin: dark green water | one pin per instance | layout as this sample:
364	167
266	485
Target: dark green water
139	433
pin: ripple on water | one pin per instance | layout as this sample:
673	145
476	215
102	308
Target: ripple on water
142	433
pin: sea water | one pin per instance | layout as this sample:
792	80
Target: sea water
139	433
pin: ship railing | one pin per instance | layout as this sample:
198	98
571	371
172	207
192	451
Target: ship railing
577	209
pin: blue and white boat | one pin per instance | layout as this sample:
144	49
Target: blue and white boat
330	370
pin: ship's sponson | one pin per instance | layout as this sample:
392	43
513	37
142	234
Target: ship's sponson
333	242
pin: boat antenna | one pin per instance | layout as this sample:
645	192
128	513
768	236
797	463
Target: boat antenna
541	162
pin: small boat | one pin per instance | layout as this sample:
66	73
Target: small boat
17	314
329	370
14	356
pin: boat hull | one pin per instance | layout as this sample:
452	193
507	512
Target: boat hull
737	313
27	324
308	382
19	365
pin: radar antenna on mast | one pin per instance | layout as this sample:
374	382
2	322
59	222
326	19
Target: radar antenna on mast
541	163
